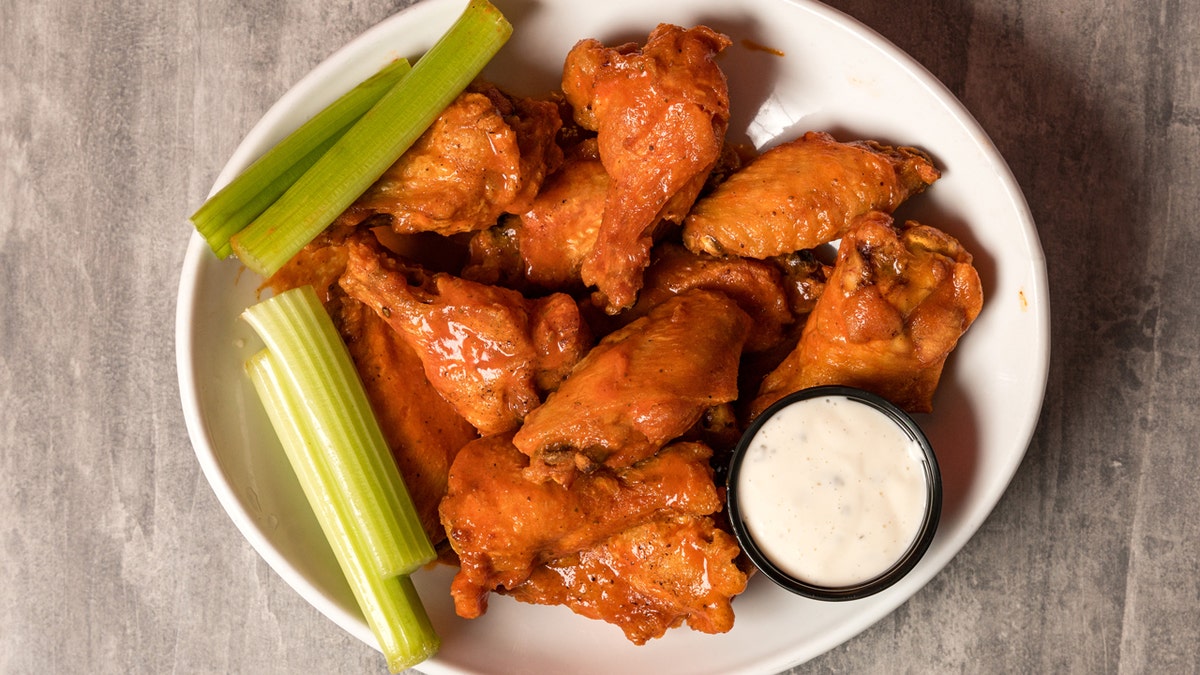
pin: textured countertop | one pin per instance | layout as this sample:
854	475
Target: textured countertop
116	557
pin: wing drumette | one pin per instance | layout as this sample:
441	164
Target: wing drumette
660	113
488	350
895	306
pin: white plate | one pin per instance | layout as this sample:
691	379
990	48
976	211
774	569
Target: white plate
834	75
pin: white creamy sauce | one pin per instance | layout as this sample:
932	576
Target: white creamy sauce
832	490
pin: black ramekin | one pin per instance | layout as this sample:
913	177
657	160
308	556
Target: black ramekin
904	564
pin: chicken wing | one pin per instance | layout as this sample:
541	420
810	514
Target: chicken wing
422	430
544	248
476	341
560	230
503	526
639	388
802	194
756	286
660	113
647	579
895	306
486	154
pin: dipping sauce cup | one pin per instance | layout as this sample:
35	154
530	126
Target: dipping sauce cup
834	493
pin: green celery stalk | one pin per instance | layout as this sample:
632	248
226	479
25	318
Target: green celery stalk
391	606
314	363
237	204
375	142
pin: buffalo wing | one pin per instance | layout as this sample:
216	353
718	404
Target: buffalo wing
802	194
640	387
485	155
544	248
660	113
647	579
422	430
757	286
489	351
503	525
895	306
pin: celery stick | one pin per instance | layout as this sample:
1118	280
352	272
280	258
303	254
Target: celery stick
391	606
237	204
217	227
399	621
314	363
375	142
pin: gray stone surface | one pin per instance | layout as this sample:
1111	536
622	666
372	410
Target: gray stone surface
116	557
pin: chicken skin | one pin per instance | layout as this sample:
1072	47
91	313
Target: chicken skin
756	286
640	387
503	526
559	231
802	194
660	112
895	306
647	579
487	350
485	155
544	248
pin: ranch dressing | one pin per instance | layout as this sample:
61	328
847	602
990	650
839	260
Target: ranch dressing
832	490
